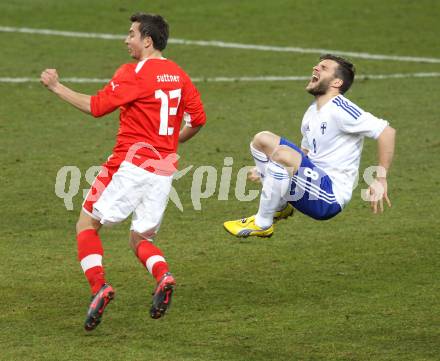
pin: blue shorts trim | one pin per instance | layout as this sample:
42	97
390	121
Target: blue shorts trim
311	190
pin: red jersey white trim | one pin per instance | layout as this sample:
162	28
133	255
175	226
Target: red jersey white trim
152	95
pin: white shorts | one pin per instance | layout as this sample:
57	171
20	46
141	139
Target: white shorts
131	189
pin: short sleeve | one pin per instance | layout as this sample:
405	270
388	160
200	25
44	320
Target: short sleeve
122	89
366	124
353	120
194	113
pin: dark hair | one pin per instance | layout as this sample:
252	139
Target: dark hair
153	26
345	71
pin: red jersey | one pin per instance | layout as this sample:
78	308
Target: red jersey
153	96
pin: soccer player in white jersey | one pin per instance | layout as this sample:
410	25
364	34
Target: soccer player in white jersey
317	178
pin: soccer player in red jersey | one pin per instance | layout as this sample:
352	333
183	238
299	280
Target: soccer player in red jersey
153	95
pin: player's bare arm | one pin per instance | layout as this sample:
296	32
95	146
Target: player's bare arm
186	133
50	79
379	189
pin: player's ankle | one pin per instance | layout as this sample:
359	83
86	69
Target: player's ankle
263	222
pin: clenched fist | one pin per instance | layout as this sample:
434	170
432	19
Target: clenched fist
49	78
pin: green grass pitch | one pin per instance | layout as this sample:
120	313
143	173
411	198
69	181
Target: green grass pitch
359	287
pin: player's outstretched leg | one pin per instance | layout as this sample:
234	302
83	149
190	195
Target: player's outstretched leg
90	253
97	306
276	184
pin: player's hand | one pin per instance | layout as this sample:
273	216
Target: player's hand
377	193
253	175
49	78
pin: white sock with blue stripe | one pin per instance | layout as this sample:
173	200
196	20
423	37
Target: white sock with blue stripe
276	184
261	160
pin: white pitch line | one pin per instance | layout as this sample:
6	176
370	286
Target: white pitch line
221	44
71	34
307	77
65	80
234	79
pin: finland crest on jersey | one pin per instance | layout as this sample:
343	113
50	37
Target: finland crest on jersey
334	136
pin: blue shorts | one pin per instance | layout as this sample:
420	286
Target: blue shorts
311	190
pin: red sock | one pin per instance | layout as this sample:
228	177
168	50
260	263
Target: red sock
152	258
90	254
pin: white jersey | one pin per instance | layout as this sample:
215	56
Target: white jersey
334	136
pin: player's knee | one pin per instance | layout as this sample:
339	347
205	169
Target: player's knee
85	222
134	240
265	141
287	156
138	235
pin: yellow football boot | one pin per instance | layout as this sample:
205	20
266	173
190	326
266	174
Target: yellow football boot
246	227
285	213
